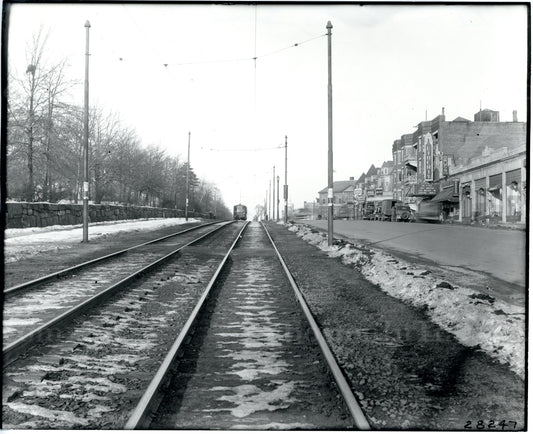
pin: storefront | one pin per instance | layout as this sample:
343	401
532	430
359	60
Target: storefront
466	202
494	198
480	186
449	200
513	182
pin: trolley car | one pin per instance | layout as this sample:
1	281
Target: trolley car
239	212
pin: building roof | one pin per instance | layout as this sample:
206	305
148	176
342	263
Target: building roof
361	178
389	163
339	186
372	171
460	119
467	140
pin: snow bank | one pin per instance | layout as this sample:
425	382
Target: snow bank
475	319
23	243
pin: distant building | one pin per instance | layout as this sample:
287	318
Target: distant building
385	180
343	199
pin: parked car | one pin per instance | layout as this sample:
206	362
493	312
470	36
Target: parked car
387	209
368	210
403	213
377	210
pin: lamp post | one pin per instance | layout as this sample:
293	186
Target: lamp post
330	142
31	115
86	139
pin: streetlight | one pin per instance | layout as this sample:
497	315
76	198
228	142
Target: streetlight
30	191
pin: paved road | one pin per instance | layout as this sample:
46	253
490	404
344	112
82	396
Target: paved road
498	252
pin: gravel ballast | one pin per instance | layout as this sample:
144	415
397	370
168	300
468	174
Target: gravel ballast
407	372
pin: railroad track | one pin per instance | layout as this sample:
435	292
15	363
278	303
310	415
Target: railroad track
251	363
246	354
32	284
32	310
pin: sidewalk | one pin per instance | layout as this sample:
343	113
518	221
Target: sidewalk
499	253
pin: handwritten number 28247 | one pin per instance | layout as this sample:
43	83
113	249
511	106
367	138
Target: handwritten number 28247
491	424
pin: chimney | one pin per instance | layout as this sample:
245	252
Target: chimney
515	116
351	178
442	111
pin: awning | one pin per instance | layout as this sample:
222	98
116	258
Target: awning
445	195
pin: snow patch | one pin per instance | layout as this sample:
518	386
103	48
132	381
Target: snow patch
27	242
497	327
250	399
53	415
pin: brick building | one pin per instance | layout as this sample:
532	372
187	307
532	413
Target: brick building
475	169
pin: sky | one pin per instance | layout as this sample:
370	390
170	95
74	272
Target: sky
170	69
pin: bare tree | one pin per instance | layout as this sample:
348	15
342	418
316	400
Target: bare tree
33	88
56	84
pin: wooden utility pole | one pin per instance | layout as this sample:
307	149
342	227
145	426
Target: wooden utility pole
286	187
273	192
86	139
187	178
277	200
330	142
269	203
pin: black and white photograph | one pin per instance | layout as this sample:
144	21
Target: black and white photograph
265	216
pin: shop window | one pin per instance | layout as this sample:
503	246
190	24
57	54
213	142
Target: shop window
514	201
495	201
481	203
466	203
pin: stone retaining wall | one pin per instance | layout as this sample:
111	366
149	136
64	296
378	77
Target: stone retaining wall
25	214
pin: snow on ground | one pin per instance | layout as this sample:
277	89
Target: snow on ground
475	319
22	243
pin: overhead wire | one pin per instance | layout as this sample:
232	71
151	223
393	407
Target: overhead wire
243	59
242	149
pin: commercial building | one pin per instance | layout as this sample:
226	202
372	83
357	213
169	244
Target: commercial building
475	170
343	200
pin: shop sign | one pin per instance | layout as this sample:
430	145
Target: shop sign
360	198
445	168
370	192
379	191
425	189
428	157
357	192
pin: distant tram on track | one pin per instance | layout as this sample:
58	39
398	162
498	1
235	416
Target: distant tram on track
239	212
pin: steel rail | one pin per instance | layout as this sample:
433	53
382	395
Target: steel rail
345	389
141	415
13	350
9	292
